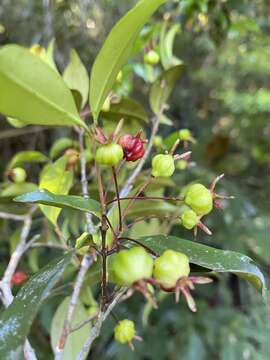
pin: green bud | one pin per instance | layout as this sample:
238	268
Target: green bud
131	265
109	154
151	57
170	267
181	164
163	165
189	219
18	175
158	141
184	134
124	331
199	198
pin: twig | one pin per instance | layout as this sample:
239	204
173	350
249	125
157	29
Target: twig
117	198
86	263
95	331
139	243
8	216
146	198
84	322
5	284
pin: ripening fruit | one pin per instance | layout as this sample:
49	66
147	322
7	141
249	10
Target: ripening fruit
163	165
184	134
106	105
18	278
151	57
109	154
124	331
133	147
170	267
199	198
18	175
189	219
131	265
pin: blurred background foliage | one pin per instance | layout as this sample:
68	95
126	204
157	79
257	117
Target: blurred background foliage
223	96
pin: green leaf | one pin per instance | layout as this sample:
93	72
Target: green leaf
16	320
77	338
76	77
58	180
40	94
210	258
116	51
62	144
163	87
128	109
62	201
18	189
166	46
26	156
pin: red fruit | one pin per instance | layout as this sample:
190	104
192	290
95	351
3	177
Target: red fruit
133	146
19	277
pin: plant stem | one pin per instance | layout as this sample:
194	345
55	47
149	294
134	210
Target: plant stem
117	199
146	198
139	243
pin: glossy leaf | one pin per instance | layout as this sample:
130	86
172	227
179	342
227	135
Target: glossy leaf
216	260
77	338
57	179
76	76
26	156
116	51
166	46
18	189
163	87
62	201
40	94
16	320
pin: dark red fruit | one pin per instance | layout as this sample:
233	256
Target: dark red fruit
133	146
19	277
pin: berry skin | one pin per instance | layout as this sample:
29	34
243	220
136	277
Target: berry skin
133	147
163	165
189	219
170	267
199	198
109	154
131	265
18	175
151	58
18	278
184	134
124	331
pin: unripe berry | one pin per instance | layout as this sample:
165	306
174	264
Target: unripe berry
109	154
18	278
131	265
151	57
163	165
199	198
124	331
18	175
158	141
189	219
181	164
184	134
106	105
133	147
170	267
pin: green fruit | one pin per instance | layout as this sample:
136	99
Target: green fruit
151	58
18	175
109	154
189	219
106	105
131	265
184	134
199	198
158	141
170	267
124	331
163	165
181	164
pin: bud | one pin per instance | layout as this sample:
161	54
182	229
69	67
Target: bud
38	50
199	198
151	57
189	219
158	141
130	266
184	135
163	165
18	175
181	164
124	331
133	147
109	154
170	267
18	278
